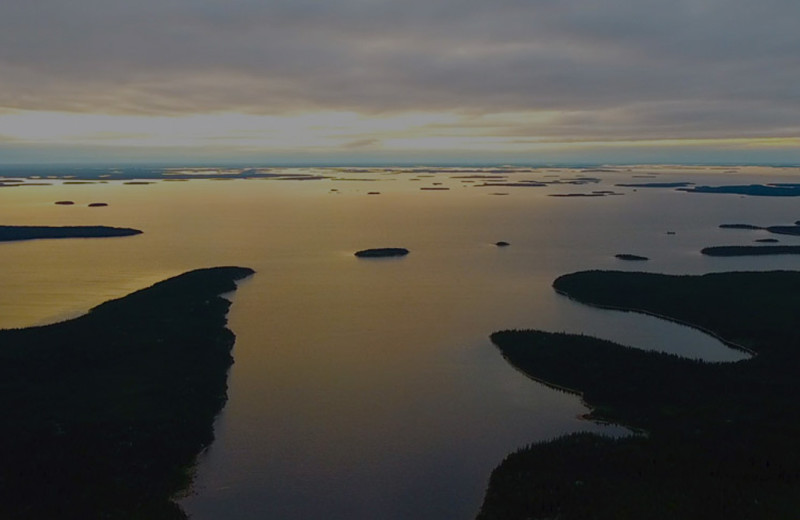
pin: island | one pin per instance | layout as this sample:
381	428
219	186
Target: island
750	250
784	230
502	243
757	190
713	440
13	233
568	195
654	184
382	252
739	226
778	230
103	415
634	258
522	184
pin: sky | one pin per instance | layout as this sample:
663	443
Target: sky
411	81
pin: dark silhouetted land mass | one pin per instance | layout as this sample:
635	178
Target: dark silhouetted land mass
784	230
758	190
104	415
12	233
626	256
767	240
478	176
739	226
655	184
721	438
750	250
382	252
531	184
81	173
568	195
64	202
502	243
98	204
575	181
778	230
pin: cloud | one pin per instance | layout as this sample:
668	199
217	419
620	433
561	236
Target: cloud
618	68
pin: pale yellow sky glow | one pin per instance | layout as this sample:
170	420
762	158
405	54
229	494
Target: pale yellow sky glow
348	81
330	131
301	131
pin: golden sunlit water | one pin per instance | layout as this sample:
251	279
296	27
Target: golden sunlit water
368	388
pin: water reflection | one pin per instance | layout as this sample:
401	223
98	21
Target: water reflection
370	389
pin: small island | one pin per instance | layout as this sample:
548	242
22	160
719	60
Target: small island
13	233
382	252
104	414
750	250
755	190
571	195
526	184
739	226
633	258
778	230
655	184
98	204
502	243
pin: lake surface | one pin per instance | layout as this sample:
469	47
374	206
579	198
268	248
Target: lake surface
368	388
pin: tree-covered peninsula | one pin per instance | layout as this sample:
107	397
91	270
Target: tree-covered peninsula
716	441
103	415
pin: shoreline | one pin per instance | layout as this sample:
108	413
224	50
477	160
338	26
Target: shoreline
112	408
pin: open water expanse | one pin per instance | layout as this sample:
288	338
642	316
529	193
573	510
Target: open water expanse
368	388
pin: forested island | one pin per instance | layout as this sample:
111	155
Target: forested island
382	252
655	184
756	190
103	415
13	233
630	257
718	440
750	250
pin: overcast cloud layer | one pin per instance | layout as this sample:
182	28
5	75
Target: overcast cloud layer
611	69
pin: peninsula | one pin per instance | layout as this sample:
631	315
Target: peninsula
720	437
13	233
103	415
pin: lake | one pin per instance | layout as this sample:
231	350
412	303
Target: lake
368	388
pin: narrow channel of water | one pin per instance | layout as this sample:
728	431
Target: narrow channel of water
369	389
